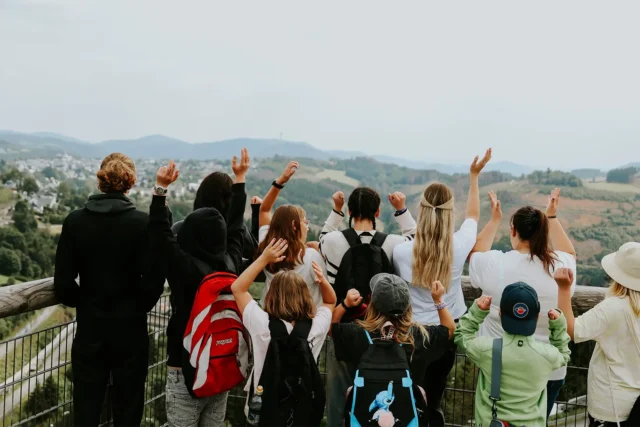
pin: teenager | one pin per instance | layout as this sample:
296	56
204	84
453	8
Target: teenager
614	324
288	302
437	253
106	245
289	223
205	244
526	362
364	207
533	234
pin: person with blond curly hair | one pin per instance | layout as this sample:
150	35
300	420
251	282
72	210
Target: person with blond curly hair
106	246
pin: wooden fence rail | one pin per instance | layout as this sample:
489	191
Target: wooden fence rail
30	296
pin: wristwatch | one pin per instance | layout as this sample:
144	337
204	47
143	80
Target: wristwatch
159	190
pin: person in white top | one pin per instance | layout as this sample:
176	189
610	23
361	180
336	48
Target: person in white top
291	224
531	261
613	387
364	208
439	254
288	299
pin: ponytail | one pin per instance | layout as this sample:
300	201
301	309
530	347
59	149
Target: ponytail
363	203
532	226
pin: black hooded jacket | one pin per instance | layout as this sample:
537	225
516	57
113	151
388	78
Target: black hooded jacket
205	244
106	245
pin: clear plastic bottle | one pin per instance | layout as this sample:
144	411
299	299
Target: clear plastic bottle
255	406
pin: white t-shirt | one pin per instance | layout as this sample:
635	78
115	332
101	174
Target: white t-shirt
424	311
256	320
616	330
305	270
485	273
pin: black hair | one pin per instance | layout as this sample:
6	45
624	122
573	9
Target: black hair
214	192
363	203
532	226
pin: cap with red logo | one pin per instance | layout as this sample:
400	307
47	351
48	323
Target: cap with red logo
519	309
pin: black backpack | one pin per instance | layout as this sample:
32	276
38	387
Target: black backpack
293	390
359	264
383	390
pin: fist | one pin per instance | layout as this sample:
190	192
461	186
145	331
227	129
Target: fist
338	200
564	277
484	303
353	298
437	291
553	314
255	200
397	200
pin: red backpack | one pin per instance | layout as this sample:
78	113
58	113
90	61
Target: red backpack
215	341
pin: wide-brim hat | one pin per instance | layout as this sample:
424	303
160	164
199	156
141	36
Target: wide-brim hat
624	266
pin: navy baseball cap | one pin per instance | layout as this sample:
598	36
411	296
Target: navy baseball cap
519	308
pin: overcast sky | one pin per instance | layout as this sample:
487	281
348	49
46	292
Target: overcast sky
544	83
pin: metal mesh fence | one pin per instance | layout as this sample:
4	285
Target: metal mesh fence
36	381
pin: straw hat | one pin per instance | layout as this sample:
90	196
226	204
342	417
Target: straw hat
624	266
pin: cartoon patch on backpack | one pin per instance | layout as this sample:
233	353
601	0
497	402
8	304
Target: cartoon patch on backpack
383	416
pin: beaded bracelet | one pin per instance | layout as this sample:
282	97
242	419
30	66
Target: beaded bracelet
441	306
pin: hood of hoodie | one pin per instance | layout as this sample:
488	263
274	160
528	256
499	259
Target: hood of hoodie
109	203
203	235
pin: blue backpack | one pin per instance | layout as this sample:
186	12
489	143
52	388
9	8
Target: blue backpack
383	392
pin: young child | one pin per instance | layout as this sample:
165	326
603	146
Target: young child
526	363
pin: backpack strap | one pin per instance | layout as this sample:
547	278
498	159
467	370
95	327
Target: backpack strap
378	239
368	337
277	328
352	237
496	371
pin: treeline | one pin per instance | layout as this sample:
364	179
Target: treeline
554	178
622	175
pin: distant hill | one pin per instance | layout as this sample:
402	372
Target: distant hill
161	147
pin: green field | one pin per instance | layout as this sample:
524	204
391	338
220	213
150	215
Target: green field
339	176
612	186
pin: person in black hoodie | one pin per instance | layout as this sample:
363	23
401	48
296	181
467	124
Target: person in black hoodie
106	245
206	243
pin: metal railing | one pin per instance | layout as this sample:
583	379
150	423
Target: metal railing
36	376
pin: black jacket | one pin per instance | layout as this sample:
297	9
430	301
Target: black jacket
106	245
204	245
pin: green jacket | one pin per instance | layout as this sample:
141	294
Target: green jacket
526	366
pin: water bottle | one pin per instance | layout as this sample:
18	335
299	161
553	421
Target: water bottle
255	406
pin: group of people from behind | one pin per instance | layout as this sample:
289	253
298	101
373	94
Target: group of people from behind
392	305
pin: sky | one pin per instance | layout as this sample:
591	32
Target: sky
547	83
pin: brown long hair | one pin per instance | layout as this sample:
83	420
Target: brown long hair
286	224
374	321
532	226
433	247
288	297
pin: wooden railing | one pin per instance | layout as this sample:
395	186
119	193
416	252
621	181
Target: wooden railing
30	296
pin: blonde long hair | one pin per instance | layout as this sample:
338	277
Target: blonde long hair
433	247
374	321
618	290
288	297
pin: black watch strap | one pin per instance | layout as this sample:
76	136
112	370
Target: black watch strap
278	186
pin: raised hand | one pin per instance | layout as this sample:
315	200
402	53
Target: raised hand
437	291
255	200
338	200
353	298
320	279
484	303
563	277
240	168
552	205
288	172
553	314
397	200
496	211
477	166
314	245
274	252
167	175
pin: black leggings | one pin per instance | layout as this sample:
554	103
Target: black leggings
435	381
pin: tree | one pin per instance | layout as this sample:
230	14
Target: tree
12	238
23	217
13	175
29	185
43	397
9	262
50	172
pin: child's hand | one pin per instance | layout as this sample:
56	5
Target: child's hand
314	245
167	174
274	252
240	168
288	172
338	201
437	291
353	298
553	314
564	277
319	273
397	200
552	205
484	303
496	212
255	200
